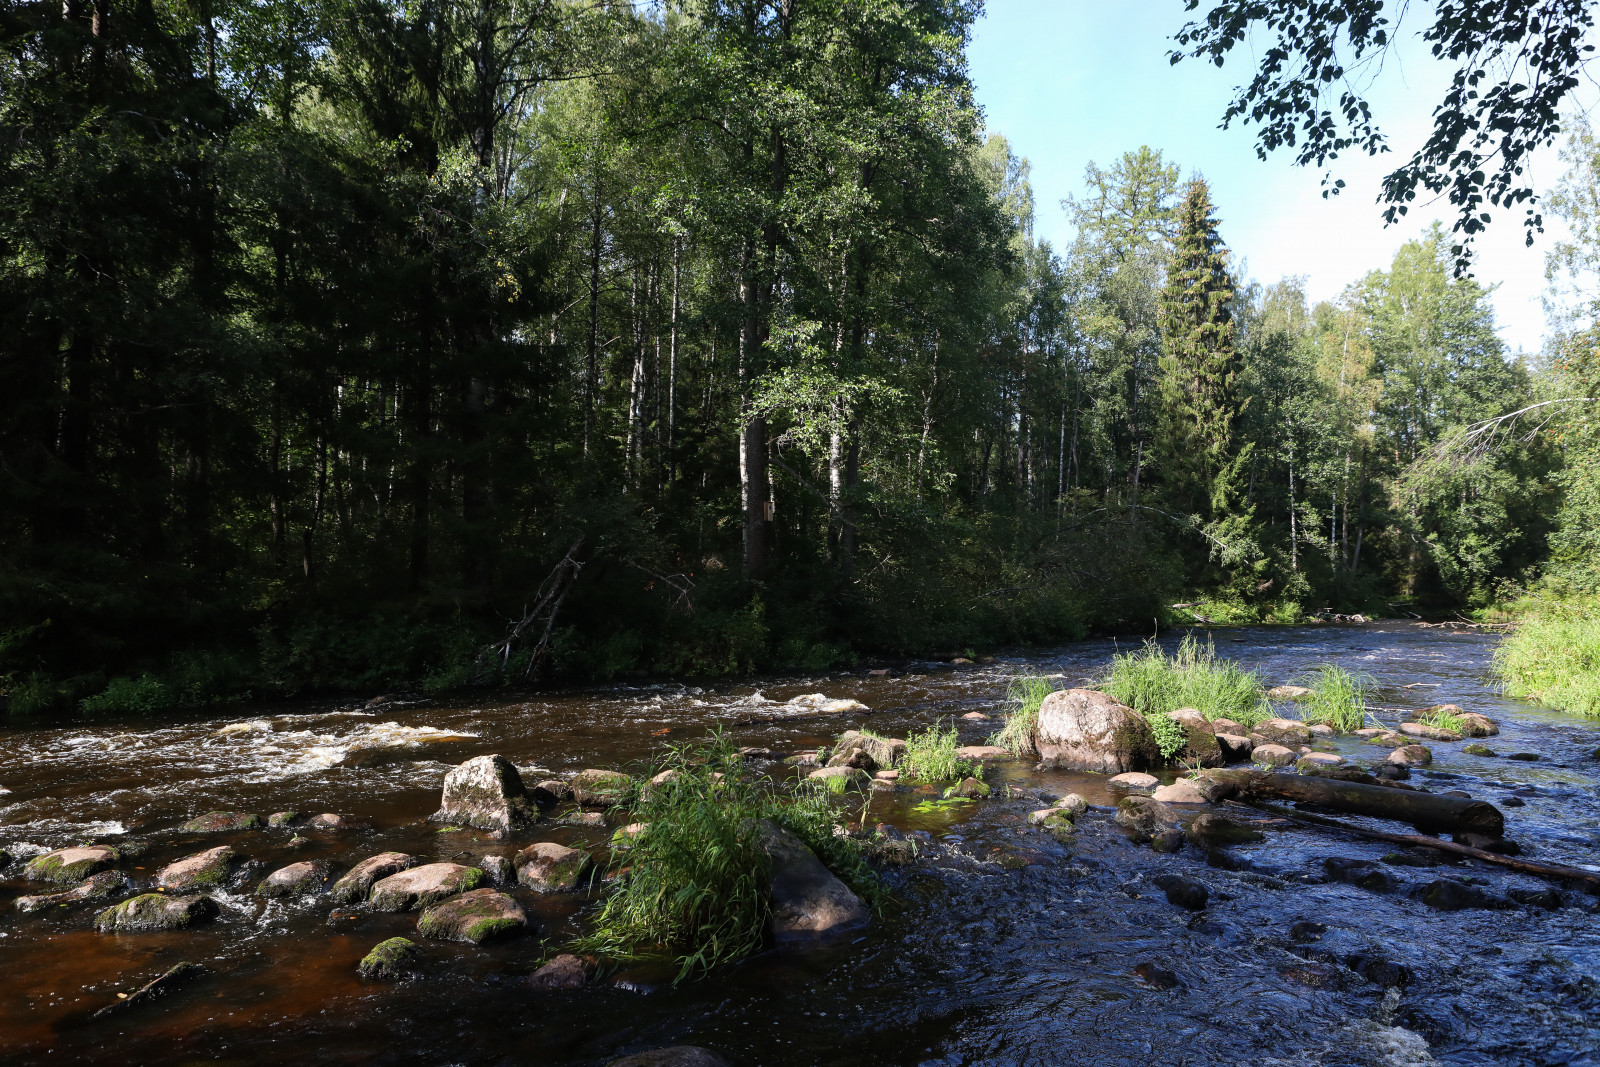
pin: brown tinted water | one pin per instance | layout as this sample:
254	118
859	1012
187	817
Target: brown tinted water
999	946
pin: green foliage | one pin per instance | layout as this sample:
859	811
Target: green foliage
1553	656
931	756
1338	698
1024	695
1155	685
1443	720
139	695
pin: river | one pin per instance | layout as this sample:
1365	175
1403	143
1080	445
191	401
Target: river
1000	946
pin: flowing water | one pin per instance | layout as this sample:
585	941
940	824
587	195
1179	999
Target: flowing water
999	946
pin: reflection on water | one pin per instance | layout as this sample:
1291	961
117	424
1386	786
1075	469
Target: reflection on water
1001	946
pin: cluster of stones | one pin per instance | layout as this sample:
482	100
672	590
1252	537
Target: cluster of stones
864	760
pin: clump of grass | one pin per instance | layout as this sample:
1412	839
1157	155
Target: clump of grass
931	756
1338	698
1443	720
1554	657
1155	685
696	886
1025	695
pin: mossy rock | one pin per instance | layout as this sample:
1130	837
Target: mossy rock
550	867
394	958
221	822
70	864
297	879
1479	750
972	788
199	871
155	911
280	819
600	788
473	917
421	887
98	887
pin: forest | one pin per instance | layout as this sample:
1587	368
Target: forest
348	345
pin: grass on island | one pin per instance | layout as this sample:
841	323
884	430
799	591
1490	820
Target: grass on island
1443	720
1155	684
931	756
1553	657
694	885
1338	698
1024	696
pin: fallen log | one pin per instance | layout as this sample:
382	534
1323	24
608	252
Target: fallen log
1543	870
1428	812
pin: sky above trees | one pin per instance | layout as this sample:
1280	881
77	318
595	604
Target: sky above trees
1073	81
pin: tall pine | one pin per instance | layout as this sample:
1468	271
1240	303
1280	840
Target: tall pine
1203	455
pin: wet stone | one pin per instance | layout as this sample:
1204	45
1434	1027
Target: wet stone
1306	931
1144	817
221	822
1183	891
1546	898
155	911
498	869
1072	803
1411	756
1156	976
280	819
972	788
1526	757
564	972
549	867
70	864
808	901
1279	731
329	821
1432	733
592	820
159	986
295	880
1135	780
1169	840
98	887
549	793
1272	755
202	870
394	958
1364	874
485	793
422	886
1512	802
600	788
1478	750
473	917
359	879
1448	895
1210	829
1235	748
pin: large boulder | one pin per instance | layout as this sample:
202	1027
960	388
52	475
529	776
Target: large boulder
422	886
485	792
807	900
358	881
203	870
600	789
549	867
1085	730
97	887
473	917
295	880
155	911
70	864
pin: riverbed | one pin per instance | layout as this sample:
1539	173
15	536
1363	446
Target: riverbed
998	946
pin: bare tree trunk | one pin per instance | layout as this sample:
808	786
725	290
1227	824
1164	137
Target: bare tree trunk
672	373
591	371
753	427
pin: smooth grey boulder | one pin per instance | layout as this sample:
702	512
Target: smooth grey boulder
485	792
1086	730
295	880
808	901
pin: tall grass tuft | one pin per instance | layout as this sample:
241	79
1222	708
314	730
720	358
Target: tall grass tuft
695	883
931	756
1338	698
1155	685
1444	720
1025	695
1554	657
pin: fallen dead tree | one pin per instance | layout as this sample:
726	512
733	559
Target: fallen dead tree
1428	812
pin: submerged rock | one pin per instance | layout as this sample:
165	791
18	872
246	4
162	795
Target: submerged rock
473	917
1156	976
422	886
97	887
1478	750
600	788
485	793
1134	780
1449	895
808	901
565	971
199	871
1169	840
1145	817
394	958
155	911
295	880
1086	730
1363	873
221	822
1210	830
676	1056
1183	891
358	881
1529	757
549	867
70	864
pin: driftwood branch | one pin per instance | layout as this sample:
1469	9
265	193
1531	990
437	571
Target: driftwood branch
551	593
1426	811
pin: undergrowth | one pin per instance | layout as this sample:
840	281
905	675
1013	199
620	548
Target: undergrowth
931	756
1024	696
1338	698
1553	657
1155	685
1443	720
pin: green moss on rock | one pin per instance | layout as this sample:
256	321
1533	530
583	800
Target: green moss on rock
70	864
394	958
155	911
221	822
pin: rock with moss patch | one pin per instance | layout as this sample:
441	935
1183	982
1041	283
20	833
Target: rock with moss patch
866	751
1279	731
1073	803
202	870
221	822
808	901
1386	739
549	867
422	886
70	864
473	917
284	819
155	911
1144	817
1411	756
295	880
1086	730
676	1056
97	887
971	788
1428	732
394	958
485	793
595	788
1339	772
592	820
549	793
1478	750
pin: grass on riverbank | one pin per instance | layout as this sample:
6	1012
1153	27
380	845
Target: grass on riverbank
1338	699
1024	696
1155	685
694	885
1553	657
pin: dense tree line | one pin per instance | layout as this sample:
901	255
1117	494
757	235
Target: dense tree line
350	342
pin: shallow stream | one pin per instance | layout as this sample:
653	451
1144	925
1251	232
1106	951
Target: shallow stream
1000	947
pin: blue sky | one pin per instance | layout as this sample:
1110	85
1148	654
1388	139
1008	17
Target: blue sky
1069	81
